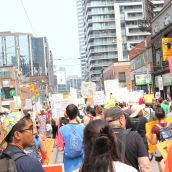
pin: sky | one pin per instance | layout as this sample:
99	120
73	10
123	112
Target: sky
55	19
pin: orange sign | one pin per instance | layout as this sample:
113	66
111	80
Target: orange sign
54	168
163	147
49	145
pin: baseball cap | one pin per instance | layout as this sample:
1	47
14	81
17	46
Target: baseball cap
113	114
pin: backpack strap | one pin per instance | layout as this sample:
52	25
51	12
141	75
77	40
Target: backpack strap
13	155
124	138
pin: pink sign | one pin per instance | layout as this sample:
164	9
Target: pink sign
170	64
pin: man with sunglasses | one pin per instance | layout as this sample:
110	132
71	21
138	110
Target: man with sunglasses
130	143
18	133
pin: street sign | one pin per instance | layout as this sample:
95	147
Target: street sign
31	87
13	92
36	93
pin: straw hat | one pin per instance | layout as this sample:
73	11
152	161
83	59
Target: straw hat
136	109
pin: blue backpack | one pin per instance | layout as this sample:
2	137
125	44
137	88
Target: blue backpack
74	143
165	132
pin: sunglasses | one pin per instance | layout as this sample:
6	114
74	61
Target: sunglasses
30	129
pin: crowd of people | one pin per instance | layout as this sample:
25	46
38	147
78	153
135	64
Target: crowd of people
93	138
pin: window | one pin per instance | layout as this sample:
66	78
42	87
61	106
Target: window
122	77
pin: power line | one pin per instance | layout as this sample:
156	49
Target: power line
33	30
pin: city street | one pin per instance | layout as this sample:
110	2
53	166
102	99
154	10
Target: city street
57	157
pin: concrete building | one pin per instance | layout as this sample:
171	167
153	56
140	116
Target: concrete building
120	71
61	80
162	28
110	28
74	82
82	46
28	54
142	66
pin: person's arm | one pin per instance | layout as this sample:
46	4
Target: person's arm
43	148
144	164
60	142
152	139
143	160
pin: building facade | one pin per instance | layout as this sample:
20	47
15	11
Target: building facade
142	66
162	28
110	29
74	82
120	71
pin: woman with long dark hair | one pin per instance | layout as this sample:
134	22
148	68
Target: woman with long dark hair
100	153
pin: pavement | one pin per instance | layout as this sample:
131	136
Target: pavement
57	157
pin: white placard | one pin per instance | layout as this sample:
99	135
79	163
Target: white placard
157	95
112	87
73	94
99	98
28	103
58	107
160	83
17	101
88	89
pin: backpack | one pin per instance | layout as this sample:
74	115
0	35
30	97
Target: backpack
165	132
121	139
73	144
7	161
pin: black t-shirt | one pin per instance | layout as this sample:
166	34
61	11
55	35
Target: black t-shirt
134	147
137	124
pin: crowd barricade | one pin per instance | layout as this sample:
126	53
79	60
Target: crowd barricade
149	125
49	146
54	168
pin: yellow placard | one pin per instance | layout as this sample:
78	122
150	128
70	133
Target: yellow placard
148	98
149	126
163	148
167	52
66	96
49	146
31	87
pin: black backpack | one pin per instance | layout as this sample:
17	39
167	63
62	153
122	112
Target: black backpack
7	161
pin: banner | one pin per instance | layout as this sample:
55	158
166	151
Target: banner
88	89
99	98
54	168
49	146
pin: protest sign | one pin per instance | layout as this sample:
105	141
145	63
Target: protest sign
54	168
49	146
163	148
99	98
168	162
148	98
112	89
88	89
17	102
28	104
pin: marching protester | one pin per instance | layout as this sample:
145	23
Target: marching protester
17	130
159	135
100	150
137	121
130	143
70	138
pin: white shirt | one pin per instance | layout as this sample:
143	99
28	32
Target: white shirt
120	167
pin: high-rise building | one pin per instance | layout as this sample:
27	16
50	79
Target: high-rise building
110	29
82	47
74	82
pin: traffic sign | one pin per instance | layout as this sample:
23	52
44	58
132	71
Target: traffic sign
31	87
36	93
13	92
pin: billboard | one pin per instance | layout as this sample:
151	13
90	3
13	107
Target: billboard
166	48
61	78
143	79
